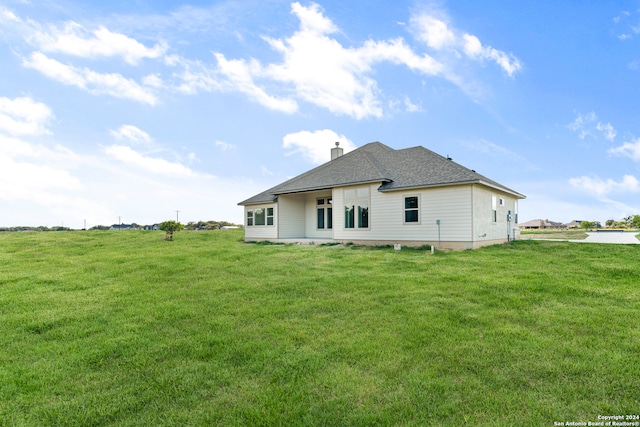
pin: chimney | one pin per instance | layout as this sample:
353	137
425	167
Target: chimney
336	152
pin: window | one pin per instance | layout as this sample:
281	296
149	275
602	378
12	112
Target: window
494	209
411	212
269	216
515	208
260	216
320	218
324	213
356	208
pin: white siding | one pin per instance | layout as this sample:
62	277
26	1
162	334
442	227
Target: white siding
261	232
291	218
451	205
484	226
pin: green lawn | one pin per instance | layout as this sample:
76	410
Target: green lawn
554	234
125	328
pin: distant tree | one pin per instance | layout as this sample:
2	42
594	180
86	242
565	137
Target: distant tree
207	225
609	222
634	221
588	224
170	227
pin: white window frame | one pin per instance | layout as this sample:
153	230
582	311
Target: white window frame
358	199
267	213
327	212
405	209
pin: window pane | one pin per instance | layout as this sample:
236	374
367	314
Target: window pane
249	218
349	216
329	217
411	202
411	215
269	216
349	194
363	215
321	201
363	192
260	217
320	217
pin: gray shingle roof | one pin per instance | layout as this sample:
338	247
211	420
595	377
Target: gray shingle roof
414	167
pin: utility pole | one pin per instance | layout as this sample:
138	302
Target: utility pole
177	212
119	223
85	224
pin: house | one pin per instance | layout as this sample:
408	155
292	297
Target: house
539	224
573	224
376	195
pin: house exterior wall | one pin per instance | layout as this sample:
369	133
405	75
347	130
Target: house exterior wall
465	213
311	215
261	232
291	218
451	205
485	230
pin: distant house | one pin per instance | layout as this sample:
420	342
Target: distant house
573	224
377	195
539	224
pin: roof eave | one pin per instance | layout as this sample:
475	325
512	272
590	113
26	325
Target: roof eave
449	184
329	187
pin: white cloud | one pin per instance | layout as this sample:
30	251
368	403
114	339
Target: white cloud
434	32
155	165
7	16
131	133
410	107
50	186
601	187
440	36
315	68
628	149
239	75
74	39
38	177
154	81
24	116
315	147
475	50
607	130
225	146
588	124
113	84
495	150
332	76
265	171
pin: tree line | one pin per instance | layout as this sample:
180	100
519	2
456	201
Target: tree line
199	225
631	221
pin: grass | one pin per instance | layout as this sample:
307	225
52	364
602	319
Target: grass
554	234
126	329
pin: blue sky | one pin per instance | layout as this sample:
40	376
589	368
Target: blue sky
135	109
